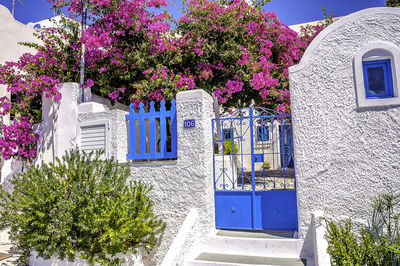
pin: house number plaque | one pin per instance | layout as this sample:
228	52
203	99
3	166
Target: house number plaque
190	123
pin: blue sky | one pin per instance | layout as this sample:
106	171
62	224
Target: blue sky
289	11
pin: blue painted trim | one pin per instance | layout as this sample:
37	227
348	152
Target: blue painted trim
228	134
174	143
253	178
153	144
137	121
388	78
142	131
262	133
213	148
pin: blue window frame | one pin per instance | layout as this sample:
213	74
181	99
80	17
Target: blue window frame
262	133
227	133
378	79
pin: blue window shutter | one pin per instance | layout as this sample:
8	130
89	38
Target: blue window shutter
262	133
378	80
227	133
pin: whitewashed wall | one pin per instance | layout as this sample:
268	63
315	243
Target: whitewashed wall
11	33
344	155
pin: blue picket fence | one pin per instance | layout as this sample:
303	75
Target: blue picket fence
152	135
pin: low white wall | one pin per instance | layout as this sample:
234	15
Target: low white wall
321	256
181	239
344	155
178	185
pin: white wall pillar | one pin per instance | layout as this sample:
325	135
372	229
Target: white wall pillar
58	128
195	147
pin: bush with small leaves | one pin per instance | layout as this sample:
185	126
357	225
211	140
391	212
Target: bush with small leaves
230	147
80	206
377	244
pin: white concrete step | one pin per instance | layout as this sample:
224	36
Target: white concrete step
228	247
223	259
271	244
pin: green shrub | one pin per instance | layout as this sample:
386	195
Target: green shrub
345	247
266	165
79	206
230	147
377	244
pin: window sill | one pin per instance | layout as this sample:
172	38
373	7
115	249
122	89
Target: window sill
379	102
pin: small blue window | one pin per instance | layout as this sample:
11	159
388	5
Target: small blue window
378	79
227	133
262	133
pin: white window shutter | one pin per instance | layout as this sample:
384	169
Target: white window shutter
93	137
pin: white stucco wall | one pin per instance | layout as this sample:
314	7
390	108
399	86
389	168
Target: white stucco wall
46	23
186	183
344	155
58	129
12	32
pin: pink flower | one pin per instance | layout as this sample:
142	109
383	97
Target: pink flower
88	84
156	3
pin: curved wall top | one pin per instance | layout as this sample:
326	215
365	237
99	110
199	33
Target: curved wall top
365	13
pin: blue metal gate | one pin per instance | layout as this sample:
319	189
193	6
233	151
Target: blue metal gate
254	177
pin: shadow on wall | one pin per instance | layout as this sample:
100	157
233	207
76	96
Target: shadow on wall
15	167
46	130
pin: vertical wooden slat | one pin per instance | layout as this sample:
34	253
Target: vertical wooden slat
152	131
142	132
132	140
163	130
173	130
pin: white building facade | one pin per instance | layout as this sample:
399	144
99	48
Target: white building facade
346	119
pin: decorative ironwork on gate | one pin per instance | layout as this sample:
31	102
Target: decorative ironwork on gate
254	166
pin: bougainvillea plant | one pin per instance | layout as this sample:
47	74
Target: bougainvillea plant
30	78
133	54
81	206
240	53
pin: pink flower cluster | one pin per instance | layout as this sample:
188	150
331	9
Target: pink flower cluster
18	140
255	68
115	95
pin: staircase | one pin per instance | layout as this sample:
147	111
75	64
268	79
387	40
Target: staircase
226	247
